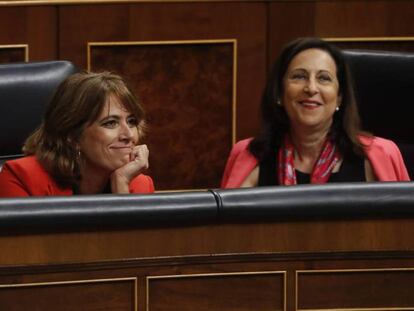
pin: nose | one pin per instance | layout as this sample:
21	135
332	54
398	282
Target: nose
311	86
126	132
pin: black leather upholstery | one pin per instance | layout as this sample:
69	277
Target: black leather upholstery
317	201
107	210
351	200
384	84
25	89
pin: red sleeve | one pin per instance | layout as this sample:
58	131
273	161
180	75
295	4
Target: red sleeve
10	184
385	158
151	187
229	165
141	184
239	164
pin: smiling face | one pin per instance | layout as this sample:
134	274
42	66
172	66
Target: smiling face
106	143
311	90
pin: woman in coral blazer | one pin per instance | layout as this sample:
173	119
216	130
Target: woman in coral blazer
311	127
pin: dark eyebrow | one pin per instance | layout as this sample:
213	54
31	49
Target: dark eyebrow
299	69
114	116
106	118
325	71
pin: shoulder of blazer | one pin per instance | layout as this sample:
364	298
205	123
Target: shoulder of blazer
36	180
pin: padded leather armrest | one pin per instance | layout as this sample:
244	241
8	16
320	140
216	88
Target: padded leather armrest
107	210
316	201
340	200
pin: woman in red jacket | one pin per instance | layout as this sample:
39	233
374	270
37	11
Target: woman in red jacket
311	127
88	143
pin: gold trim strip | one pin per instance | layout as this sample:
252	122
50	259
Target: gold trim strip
17	46
297	272
285	291
234	95
196	275
135	293
147	294
67	282
166	42
354	270
182	276
359	309
13	46
182	42
69	2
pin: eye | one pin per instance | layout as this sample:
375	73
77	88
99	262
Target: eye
111	123
298	76
132	121
325	78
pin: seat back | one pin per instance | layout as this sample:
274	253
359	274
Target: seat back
25	89
384	88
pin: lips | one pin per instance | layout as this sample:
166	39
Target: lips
310	104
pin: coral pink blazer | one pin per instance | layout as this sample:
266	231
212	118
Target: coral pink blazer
383	154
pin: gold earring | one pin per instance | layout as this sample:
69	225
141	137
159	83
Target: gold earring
78	153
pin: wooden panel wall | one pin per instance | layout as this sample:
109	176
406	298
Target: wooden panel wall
193	157
13	53
377	288
260	28
178	21
96	294
342	264
338	19
217	291
35	26
187	88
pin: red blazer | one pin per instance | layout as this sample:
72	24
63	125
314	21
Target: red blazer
27	177
383	154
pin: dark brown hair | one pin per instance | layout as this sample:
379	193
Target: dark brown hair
275	123
77	103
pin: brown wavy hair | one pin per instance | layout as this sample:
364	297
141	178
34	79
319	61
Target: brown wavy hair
76	104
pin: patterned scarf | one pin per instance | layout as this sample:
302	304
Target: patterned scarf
322	170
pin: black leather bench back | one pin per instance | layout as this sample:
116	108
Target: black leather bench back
25	89
384	84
